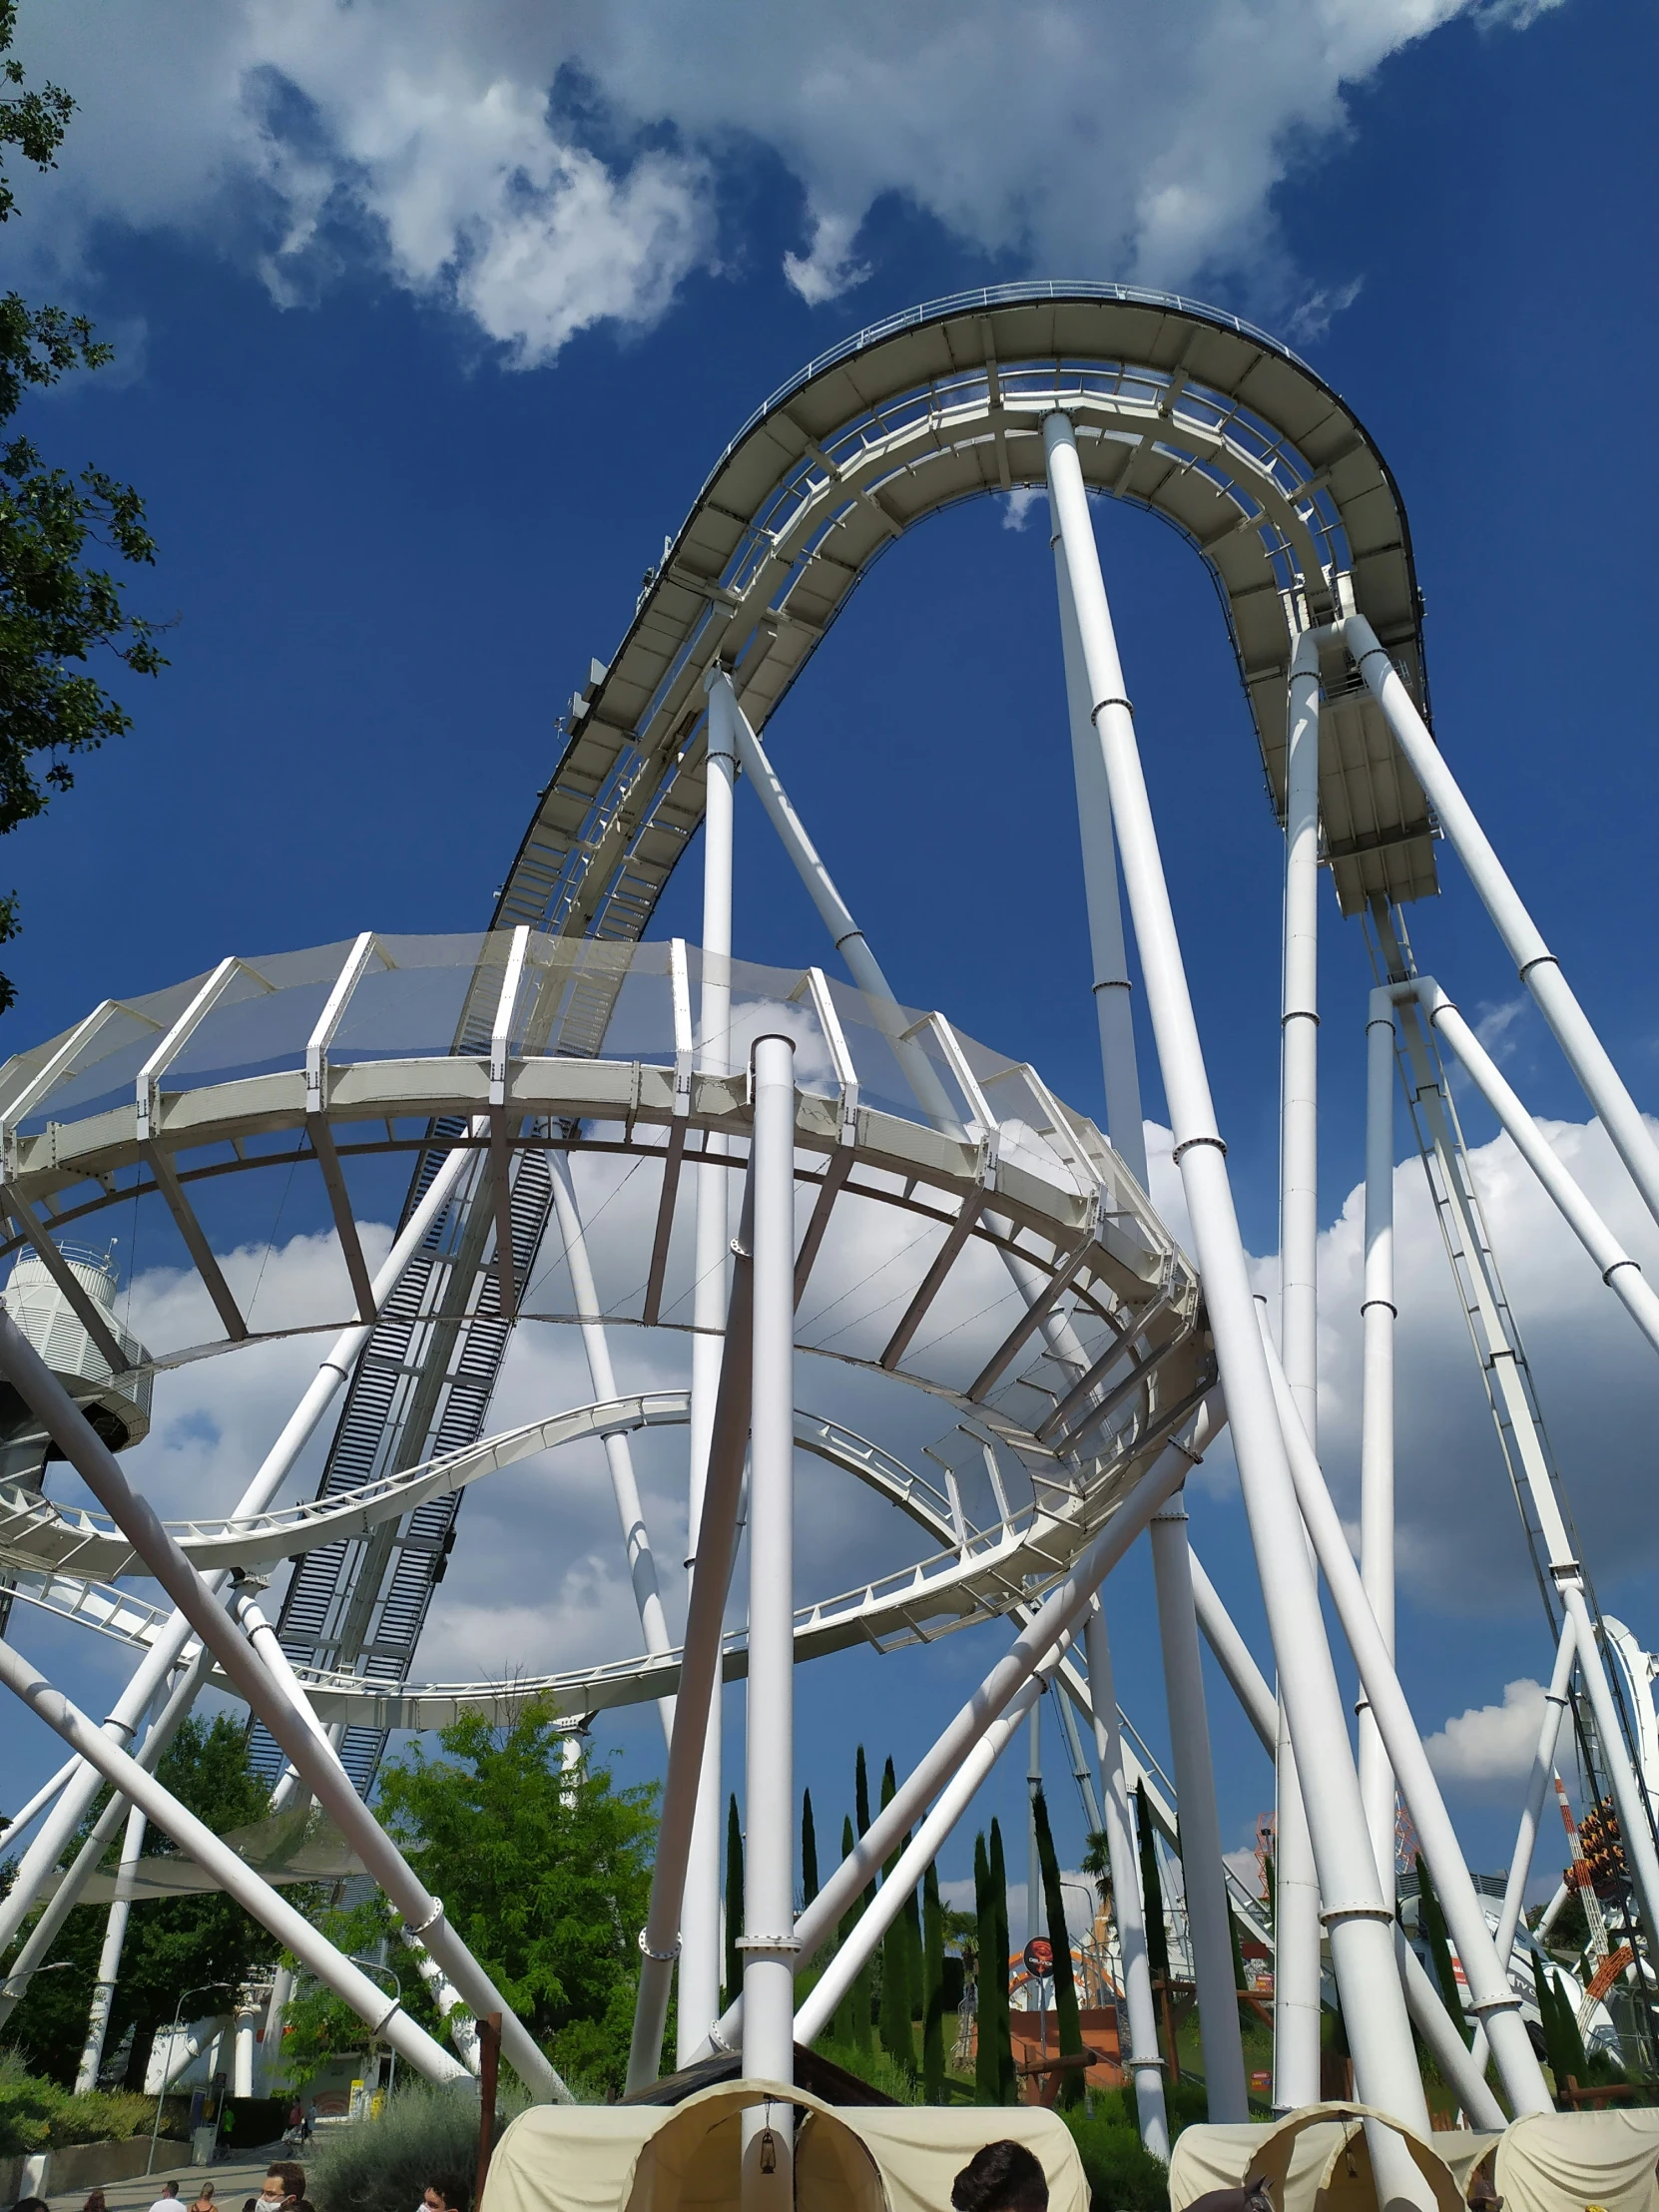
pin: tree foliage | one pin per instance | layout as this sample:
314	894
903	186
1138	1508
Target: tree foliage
57	604
174	1944
545	1875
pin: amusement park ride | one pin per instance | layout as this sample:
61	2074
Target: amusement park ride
798	1130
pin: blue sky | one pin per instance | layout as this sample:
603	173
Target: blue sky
431	321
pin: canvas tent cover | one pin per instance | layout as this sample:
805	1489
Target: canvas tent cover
1316	2161
684	2158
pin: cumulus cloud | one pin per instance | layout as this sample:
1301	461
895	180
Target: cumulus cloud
542	171
1491	1747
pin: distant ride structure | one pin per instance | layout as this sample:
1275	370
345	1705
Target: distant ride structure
989	1250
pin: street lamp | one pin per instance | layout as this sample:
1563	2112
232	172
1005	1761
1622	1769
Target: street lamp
172	2038
379	1965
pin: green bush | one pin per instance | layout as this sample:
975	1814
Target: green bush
383	2165
875	2065
1123	2174
36	2114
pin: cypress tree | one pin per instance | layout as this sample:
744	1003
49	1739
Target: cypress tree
933	1989
1008	2078
987	2080
1152	1889
1433	1921
861	1792
808	1850
896	1961
863	1988
1067	2023
733	1901
847	2012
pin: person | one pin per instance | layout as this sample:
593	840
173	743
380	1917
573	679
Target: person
309	2128
167	2201
30	2204
205	2199
285	2183
446	2194
296	2130
94	2203
1003	2177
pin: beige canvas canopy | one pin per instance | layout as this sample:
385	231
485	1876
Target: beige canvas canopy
684	2158
1316	2161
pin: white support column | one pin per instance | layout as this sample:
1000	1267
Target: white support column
1621	1273
1295	1972
232	1875
241	2047
1059	1616
135	1699
1144	2064
109	1961
38	1944
1361	1925
1536	965
1538	1786
459	2025
1195	1791
619	1458
1113	1003
1377	1412
35	1805
818	2009
769	1944
701	1954
289	1719
281	1996
1490	1997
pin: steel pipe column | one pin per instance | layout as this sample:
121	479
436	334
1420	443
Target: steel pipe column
1377	1412
768	1945
109	1961
1195	1791
1536	965
698	1935
1360	1924
1114	1005
1144	2061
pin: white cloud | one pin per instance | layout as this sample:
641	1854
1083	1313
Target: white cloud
1491	1747
1016	508
544	170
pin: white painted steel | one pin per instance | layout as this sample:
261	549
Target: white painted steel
768	1943
1490	1997
79	1792
1537	1786
619	1460
1296	1965
1143	2061
1195	1788
1361	1946
1462	2068
1245	1677
818	2007
459	2025
1536	965
1059	1615
35	1805
38	1945
1621	1273
234	1875
698	1935
1377	1412
109	1961
293	1729
1113	1000
1035	1918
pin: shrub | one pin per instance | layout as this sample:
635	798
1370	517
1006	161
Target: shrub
35	2114
383	2165
1123	2175
873	2064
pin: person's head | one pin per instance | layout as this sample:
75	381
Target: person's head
446	2194
283	2180
170	2188
94	2203
205	2195
1003	2177
30	2204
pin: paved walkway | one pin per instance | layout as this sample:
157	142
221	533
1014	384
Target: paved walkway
233	2183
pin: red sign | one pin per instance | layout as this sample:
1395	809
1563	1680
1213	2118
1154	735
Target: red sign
1039	1956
